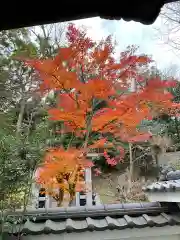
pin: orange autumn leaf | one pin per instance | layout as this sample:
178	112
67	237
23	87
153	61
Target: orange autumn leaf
76	118
67	102
140	138
80	186
101	55
64	55
101	143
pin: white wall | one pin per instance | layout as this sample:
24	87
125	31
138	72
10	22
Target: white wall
171	157
164	196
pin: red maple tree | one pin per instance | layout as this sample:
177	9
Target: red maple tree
84	74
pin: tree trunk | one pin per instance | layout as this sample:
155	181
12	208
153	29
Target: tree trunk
177	129
133	87
60	198
155	157
88	128
131	167
20	117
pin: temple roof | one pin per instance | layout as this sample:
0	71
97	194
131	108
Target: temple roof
144	11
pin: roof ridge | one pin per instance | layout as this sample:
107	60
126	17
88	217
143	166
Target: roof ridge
93	211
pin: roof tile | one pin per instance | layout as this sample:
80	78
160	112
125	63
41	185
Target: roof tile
57	226
159	220
140	222
169	173
129	221
122	223
132	205
171	221
150	204
176	218
148	220
112	223
95	208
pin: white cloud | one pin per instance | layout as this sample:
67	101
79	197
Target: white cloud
94	27
126	33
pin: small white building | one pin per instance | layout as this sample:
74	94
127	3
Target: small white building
40	200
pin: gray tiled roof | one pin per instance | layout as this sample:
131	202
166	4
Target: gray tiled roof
105	217
168	172
163	186
173	175
169	181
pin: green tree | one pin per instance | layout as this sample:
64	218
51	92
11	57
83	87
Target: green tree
24	125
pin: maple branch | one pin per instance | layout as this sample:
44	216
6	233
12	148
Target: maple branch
82	75
88	128
100	129
105	125
136	159
127	69
66	91
131	167
72	137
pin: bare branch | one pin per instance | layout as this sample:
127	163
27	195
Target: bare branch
170	32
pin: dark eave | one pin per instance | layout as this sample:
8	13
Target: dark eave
24	15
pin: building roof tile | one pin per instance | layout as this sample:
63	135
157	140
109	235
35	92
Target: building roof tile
163	186
169	181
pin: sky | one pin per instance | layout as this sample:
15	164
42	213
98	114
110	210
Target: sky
147	37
